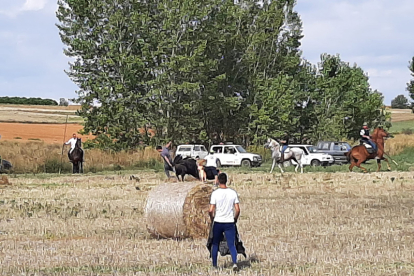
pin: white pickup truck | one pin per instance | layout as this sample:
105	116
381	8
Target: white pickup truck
235	155
312	157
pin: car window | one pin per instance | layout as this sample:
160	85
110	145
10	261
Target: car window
311	149
229	150
241	149
336	147
325	146
217	149
203	148
196	148
188	148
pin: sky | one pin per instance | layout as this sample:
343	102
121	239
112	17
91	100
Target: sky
377	35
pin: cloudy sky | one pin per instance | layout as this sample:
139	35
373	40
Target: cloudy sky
375	34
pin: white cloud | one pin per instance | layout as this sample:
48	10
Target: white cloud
34	5
375	34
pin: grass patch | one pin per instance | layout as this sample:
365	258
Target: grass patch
398	127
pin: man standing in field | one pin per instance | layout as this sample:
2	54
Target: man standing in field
165	154
224	218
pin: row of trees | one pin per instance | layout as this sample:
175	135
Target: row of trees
28	101
207	71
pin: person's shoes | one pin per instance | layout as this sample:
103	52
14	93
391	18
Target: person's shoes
235	268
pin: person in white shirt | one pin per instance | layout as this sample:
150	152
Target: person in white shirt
210	168
224	218
72	142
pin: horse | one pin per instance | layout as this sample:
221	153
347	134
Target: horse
359	154
294	154
76	157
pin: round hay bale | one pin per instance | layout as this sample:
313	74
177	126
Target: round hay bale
179	210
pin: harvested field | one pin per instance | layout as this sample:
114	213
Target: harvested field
49	133
311	224
38	114
399	115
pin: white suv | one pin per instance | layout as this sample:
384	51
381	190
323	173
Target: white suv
193	151
312	157
235	155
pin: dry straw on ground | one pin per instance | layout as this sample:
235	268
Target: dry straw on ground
178	210
296	224
28	157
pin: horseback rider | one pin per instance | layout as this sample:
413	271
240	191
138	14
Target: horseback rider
284	142
72	141
366	138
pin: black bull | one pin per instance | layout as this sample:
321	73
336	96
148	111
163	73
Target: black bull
185	166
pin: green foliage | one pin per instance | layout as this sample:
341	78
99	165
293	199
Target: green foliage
400	102
410	85
208	72
407	131
27	101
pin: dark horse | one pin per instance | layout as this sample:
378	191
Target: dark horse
359	154
76	157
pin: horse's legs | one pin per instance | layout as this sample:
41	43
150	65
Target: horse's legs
358	164
81	167
273	165
280	167
388	163
379	164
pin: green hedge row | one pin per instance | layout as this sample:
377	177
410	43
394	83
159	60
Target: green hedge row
28	101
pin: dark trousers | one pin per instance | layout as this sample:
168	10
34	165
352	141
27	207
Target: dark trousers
229	231
167	169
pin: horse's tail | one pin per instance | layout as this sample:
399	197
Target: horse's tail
348	155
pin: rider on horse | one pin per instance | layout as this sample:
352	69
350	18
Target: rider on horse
366	138
72	141
284	142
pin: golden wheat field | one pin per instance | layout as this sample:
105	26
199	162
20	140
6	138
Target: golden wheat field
310	224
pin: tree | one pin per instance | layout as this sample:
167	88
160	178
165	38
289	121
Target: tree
410	85
63	102
208	72
400	102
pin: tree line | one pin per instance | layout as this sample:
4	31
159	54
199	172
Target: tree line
206	72
27	101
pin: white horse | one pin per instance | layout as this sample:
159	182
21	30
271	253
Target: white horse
294	154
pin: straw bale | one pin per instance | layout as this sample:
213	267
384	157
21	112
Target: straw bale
178	210
4	180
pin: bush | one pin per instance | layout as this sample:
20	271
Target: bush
28	101
53	165
407	131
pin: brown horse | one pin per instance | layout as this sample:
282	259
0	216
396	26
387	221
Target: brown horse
359	154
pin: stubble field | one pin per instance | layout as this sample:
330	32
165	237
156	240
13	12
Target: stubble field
310	224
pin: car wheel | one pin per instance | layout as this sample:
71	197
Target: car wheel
246	163
218	163
315	162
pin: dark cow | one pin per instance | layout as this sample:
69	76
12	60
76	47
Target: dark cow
185	166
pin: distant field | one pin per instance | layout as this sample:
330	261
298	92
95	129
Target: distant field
399	115
49	133
39	114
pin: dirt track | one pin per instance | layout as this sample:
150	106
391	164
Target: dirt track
50	133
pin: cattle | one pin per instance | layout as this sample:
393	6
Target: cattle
185	166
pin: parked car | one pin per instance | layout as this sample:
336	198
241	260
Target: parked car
313	157
193	151
336	149
235	155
